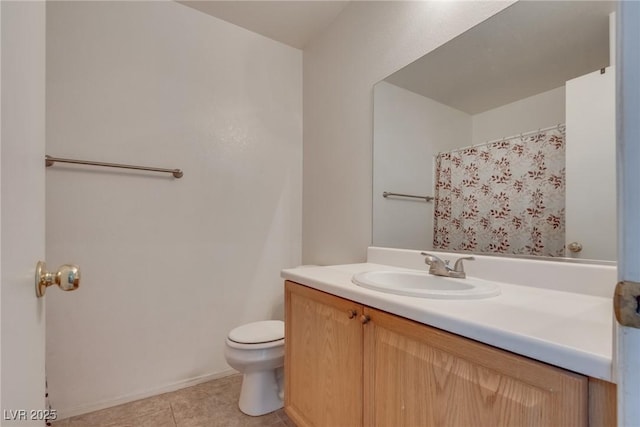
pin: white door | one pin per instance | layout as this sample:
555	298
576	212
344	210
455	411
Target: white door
627	349
22	68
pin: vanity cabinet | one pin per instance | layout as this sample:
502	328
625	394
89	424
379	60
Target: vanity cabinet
323	358
416	375
351	365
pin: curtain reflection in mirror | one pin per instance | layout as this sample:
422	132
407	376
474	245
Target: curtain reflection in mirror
506	196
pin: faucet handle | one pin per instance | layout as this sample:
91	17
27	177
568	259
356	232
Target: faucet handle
458	266
436	265
429	258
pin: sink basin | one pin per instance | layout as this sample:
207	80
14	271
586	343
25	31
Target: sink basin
422	284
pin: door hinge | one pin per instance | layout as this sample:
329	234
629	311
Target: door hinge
626	304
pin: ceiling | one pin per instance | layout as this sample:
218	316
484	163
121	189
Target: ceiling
290	22
528	48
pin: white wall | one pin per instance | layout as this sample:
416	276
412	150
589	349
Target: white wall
169	266
408	131
535	112
367	42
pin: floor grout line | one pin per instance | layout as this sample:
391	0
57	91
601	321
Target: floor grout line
173	415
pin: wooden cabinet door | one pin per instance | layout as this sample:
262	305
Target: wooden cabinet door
323	358
416	376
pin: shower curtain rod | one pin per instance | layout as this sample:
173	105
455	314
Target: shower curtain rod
533	132
49	161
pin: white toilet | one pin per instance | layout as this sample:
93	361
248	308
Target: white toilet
257	351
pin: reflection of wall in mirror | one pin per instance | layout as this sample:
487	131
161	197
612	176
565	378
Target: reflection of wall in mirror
409	130
539	111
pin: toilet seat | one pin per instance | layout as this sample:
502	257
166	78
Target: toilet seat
264	334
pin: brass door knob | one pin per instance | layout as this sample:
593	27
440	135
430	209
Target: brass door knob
67	278
574	247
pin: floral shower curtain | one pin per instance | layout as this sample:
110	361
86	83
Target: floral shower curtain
503	197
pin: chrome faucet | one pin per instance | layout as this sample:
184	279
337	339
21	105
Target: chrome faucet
439	267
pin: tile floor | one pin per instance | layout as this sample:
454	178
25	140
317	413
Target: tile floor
210	404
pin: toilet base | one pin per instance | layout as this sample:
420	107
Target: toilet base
260	393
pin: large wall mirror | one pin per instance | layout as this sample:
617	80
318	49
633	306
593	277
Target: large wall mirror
503	139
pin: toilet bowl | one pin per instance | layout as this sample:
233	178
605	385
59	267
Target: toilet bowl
256	350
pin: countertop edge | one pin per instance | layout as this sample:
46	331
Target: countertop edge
554	353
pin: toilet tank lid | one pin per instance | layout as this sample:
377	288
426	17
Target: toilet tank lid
258	332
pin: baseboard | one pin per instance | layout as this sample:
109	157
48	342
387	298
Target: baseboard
108	403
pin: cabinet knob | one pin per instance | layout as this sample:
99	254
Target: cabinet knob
352	314
364	319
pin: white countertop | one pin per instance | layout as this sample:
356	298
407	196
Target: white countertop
570	330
